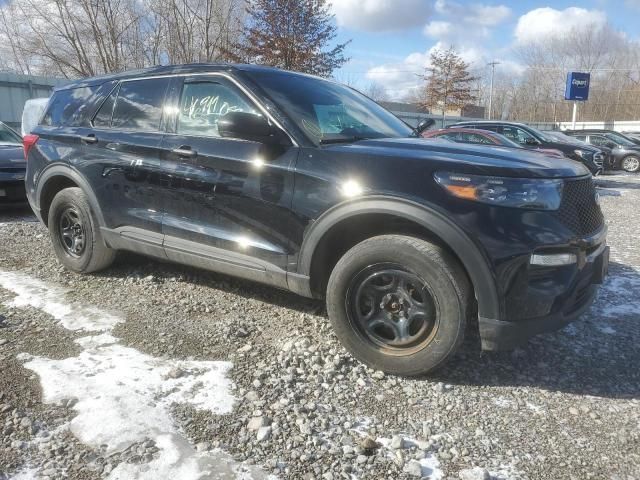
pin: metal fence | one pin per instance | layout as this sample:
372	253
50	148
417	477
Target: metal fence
16	89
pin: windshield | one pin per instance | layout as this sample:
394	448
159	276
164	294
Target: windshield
328	112
541	136
561	137
8	136
506	141
620	140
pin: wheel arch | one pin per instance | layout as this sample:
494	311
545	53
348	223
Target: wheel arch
426	222
57	178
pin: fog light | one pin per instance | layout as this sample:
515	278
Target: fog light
554	259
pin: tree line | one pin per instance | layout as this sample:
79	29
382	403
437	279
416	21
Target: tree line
80	38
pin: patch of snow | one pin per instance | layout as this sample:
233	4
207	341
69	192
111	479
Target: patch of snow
618	297
503	402
431	468
430	465
131	391
606	329
28	474
35	293
124	396
535	408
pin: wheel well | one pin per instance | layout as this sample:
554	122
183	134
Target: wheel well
349	232
50	190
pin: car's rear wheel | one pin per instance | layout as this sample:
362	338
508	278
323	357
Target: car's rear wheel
399	304
75	234
631	164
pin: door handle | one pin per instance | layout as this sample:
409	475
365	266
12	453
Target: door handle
91	138
185	151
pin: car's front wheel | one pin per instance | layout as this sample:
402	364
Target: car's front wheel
631	164
399	304
75	234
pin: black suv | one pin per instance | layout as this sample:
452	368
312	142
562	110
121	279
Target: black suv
530	137
624	154
309	186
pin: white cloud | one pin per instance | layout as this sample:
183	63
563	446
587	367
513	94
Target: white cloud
488	15
474	14
438	29
542	22
381	15
465	25
401	78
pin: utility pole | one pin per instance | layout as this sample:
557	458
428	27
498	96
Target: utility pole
493	71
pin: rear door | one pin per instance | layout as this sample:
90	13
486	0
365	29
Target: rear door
125	156
230	202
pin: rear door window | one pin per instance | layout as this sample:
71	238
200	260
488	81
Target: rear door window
139	104
475	138
516	134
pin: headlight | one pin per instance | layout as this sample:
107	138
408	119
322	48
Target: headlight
536	194
582	153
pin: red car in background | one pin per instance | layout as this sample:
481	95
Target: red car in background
482	137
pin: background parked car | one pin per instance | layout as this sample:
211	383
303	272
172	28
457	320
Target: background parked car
482	137
563	137
529	137
12	167
624	154
611	134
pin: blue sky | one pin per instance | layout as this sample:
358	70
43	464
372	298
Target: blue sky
391	39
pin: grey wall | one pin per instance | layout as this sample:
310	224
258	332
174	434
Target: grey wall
16	89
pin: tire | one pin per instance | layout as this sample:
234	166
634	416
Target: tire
75	234
630	164
367	308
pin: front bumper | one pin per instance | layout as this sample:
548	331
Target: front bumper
563	293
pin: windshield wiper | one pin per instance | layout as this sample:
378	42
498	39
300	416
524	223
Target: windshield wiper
328	141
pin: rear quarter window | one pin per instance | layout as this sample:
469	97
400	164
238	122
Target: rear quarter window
67	106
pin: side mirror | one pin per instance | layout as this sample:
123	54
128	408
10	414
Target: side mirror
531	141
248	126
425	124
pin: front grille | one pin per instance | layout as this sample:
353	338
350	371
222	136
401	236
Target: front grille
598	159
578	210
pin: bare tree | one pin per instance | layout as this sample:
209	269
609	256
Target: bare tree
376	92
77	38
449	83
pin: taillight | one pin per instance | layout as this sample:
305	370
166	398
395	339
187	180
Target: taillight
28	142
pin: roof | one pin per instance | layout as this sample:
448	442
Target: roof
487	122
169	70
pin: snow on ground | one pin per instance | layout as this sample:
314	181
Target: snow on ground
123	396
51	300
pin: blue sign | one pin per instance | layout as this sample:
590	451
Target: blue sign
577	86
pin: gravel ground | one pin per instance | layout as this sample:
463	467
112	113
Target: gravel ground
566	405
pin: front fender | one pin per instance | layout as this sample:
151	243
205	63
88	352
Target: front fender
473	259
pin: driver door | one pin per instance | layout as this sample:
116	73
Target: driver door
229	204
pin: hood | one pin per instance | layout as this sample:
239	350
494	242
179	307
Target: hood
11	156
468	158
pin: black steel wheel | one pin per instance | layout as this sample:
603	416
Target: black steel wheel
399	304
75	234
71	230
392	308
